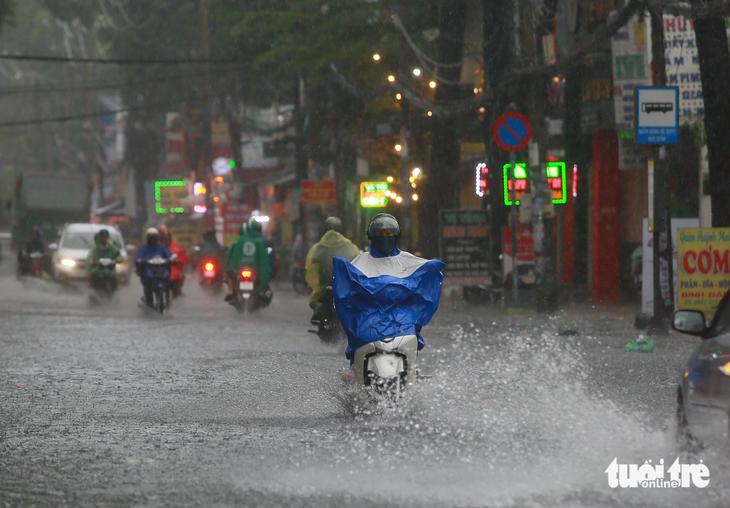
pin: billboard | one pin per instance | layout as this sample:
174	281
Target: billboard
703	262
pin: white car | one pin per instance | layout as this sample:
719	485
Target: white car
72	250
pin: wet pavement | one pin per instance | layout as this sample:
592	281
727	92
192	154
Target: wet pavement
109	406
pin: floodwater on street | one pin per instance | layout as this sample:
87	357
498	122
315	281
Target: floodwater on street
107	406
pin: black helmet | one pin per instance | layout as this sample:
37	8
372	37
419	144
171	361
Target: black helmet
209	234
104	233
333	223
383	222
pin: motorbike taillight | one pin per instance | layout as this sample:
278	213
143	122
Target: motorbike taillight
209	266
246	273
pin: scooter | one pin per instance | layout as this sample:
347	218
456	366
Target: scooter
158	271
244	299
385	367
104	283
326	320
211	276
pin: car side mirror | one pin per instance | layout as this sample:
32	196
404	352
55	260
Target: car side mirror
691	322
53	247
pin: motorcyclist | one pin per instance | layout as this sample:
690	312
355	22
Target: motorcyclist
152	248
319	262
386	259
34	244
103	248
249	250
177	277
210	249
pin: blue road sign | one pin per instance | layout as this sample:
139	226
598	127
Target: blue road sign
512	132
657	115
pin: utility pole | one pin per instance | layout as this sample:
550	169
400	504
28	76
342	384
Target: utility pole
662	230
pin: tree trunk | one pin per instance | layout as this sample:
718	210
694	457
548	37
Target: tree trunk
714	58
442	185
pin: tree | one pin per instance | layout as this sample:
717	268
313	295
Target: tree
714	59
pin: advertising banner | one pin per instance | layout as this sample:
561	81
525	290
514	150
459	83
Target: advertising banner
464	246
318	192
703	259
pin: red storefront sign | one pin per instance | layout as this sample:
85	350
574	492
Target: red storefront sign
318	192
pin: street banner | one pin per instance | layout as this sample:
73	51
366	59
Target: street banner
318	192
703	259
464	246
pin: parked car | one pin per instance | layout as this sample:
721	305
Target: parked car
703	394
69	255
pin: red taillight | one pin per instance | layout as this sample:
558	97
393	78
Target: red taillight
209	266
246	274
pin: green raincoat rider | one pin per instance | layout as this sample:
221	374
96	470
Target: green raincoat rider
103	248
248	251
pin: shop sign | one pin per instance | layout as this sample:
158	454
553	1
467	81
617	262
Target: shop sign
319	192
185	236
703	259
464	246
168	194
374	194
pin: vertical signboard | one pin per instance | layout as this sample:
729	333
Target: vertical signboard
464	246
703	259
234	216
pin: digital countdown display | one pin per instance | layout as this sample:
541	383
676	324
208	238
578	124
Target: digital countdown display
557	182
374	194
521	183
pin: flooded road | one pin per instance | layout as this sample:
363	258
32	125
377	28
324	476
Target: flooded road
106	406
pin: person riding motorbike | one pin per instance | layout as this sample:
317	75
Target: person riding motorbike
34	244
415	299
103	248
319	262
249	250
211	250
151	249
177	277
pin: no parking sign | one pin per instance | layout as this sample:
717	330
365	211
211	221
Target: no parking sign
512	132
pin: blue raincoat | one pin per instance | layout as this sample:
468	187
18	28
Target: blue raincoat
384	306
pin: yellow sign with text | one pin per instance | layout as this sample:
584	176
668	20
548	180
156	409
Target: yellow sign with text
703	267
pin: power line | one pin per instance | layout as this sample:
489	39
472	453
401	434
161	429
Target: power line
110	86
119	61
61	119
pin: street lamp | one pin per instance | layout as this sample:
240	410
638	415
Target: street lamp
376	57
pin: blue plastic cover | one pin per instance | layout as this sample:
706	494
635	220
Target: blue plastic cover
375	308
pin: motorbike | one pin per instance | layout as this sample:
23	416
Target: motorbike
158	271
326	320
104	283
299	283
386	366
211	276
244	299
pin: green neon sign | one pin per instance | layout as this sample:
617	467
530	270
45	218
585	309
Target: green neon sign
374	194
159	185
520	183
557	182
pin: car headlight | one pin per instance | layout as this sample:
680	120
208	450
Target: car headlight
68	262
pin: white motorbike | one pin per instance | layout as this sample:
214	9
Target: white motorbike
387	366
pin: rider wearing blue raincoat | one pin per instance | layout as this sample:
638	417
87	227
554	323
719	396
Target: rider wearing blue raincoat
385	292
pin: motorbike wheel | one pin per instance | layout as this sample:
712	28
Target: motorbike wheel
241	303
160	301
